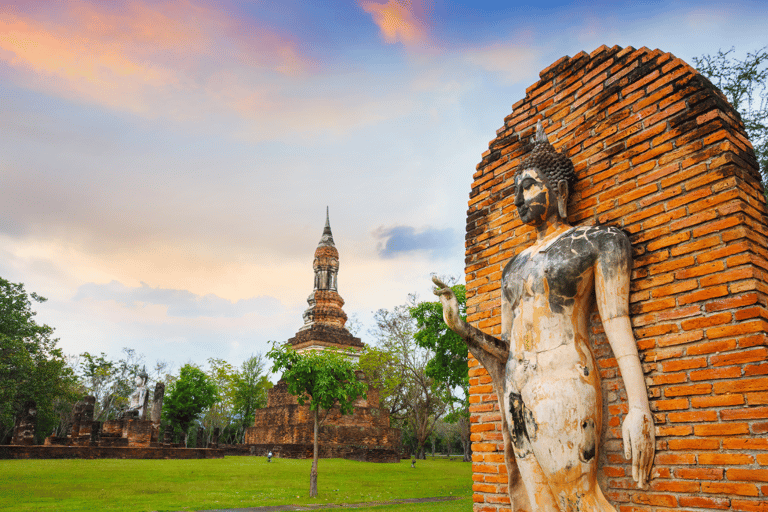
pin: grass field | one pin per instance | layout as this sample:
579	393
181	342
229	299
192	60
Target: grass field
232	482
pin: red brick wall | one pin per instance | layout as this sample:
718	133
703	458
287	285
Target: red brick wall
660	154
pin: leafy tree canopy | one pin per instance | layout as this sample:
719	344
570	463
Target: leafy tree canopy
321	378
745	83
31	367
188	396
449	362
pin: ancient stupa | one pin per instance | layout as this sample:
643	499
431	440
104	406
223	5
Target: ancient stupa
324	319
286	428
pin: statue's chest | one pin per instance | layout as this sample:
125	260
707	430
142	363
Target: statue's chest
555	277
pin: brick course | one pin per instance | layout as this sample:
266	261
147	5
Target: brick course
660	154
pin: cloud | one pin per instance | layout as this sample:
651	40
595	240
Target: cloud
398	21
179	303
154	59
405	239
512	63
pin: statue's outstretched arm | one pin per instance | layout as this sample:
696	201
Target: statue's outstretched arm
473	337
612	278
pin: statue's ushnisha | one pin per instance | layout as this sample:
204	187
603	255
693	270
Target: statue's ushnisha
548	377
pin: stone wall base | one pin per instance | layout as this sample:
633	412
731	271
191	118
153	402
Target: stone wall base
304	451
97	452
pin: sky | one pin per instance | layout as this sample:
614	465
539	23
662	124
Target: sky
165	165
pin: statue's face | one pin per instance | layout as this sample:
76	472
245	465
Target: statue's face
139	381
533	197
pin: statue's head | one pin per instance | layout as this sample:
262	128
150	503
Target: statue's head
141	378
543	182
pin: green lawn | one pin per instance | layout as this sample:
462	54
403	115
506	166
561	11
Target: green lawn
232	482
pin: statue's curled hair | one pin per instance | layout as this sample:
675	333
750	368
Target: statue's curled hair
555	166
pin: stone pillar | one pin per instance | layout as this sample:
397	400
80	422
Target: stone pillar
168	435
77	416
200	438
95	432
157	403
215	440
86	415
26	424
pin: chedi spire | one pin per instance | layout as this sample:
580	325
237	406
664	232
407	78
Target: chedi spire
325	303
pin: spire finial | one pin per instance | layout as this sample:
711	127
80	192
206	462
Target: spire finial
541	135
327	238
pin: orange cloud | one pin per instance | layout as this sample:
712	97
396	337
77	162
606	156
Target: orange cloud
397	20
138	56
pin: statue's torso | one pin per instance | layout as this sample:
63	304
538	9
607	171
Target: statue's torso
550	290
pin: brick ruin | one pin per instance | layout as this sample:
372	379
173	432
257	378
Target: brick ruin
286	428
26	425
661	154
120	438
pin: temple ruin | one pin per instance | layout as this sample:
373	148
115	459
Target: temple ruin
286	428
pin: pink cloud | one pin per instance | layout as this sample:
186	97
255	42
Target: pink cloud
139	55
398	20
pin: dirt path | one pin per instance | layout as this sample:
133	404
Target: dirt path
291	508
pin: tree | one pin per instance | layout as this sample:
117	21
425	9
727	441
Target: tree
221	414
398	368
110	382
322	378
187	397
745	84
448	365
31	367
250	392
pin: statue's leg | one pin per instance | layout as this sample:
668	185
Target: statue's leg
563	413
535	481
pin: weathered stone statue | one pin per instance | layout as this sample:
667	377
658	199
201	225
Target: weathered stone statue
139	399
543	365
26	424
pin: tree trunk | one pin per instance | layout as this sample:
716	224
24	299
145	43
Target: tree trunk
313	473
465	434
433	447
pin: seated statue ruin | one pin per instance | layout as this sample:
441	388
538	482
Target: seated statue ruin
551	386
139	399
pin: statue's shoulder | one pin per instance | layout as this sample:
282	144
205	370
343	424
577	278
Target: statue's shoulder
608	239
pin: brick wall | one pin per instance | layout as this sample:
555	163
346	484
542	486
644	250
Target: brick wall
93	452
287	429
660	154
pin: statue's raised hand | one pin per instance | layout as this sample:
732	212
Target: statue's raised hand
450	306
639	439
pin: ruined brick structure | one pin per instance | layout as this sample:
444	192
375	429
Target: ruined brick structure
286	428
660	154
26	425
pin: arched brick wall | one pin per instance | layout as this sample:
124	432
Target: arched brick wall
660	154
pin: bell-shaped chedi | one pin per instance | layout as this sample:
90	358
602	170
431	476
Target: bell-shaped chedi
324	319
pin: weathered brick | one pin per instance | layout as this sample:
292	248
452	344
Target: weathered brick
660	156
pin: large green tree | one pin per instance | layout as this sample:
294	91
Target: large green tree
448	365
188	396
250	391
397	366
745	83
323	379
31	367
